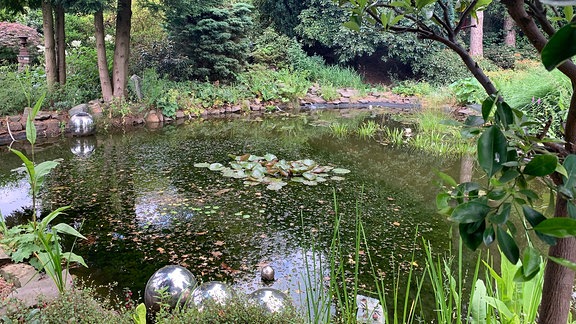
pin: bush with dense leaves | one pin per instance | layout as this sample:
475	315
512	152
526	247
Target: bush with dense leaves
213	39
10	43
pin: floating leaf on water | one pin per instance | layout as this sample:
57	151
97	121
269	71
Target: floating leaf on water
216	167
297	179
276	186
202	165
255	158
340	171
270	157
309	183
238	213
337	178
309	176
236	166
320	179
246	216
308	162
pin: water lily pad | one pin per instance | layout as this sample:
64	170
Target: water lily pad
337	178
320	179
202	165
309	176
309	183
246	216
216	167
270	157
340	171
276	186
298	179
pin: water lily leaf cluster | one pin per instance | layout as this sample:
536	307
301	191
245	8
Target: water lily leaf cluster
274	172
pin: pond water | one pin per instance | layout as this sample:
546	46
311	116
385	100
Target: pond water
142	204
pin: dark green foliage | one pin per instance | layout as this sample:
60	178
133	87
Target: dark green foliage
501	55
322	23
17	87
214	40
441	67
272	49
282	15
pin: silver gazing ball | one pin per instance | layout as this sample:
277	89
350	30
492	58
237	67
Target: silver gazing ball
267	273
172	285
272	300
215	291
81	124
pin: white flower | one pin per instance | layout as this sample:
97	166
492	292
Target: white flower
76	43
108	38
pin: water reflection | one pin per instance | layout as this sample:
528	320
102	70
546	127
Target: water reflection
83	147
144	204
14	197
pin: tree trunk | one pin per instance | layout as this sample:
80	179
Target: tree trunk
60	44
558	280
477	35
49	49
122	48
510	32
103	72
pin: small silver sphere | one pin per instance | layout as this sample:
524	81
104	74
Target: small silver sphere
173	282
81	124
216	291
272	300
267	273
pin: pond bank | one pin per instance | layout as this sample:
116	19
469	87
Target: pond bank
51	124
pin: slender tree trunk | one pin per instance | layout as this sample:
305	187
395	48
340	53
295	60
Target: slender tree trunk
510	32
122	48
103	72
558	280
477	35
60	44
49	45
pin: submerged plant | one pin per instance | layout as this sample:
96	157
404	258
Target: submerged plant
368	129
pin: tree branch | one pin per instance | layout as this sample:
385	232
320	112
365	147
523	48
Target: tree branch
465	14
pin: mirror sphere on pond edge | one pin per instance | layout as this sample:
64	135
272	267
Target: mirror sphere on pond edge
172	284
271	299
216	291
81	124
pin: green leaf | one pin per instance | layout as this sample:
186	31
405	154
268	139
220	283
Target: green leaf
202	165
559	227
421	3
30	127
270	157
73	257
530	263
139	316
504	213
340	171
488	235
560	47
500	306
470	212
509	175
67	229
472	234
478	304
504	114
541	165
492	150
216	167
508	246
447	179
487	106
563	262
352	24
568	12
570	166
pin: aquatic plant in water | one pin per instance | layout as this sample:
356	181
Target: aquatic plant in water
268	169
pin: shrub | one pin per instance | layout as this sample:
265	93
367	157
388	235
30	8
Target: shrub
271	49
441	67
10	43
213	39
468	91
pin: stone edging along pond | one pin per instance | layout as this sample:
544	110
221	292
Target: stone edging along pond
51	124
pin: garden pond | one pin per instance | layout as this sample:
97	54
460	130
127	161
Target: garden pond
142	202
